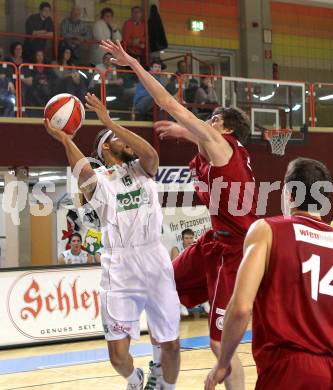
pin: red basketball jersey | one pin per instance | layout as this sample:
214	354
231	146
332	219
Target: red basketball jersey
294	306
229	191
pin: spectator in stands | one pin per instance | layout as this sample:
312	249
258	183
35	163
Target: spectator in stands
187	240
75	32
105	28
38	24
16	53
65	59
142	101
114	85
205	95
16	56
75	255
7	94
134	39
41	89
172	86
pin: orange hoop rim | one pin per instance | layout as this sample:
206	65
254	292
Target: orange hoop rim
268	134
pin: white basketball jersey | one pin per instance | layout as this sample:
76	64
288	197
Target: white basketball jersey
70	258
126	201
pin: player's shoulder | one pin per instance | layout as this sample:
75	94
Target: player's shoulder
66	252
279	220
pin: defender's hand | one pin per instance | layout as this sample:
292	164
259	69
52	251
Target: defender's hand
216	376
120	57
167	129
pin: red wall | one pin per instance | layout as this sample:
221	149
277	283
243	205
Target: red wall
30	145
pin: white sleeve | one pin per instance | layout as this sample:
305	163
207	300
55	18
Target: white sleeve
137	167
98	31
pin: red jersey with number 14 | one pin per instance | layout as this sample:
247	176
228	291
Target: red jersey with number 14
228	191
294	305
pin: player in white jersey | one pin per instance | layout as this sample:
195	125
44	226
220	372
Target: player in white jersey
75	255
137	273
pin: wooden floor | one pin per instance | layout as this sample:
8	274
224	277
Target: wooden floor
195	364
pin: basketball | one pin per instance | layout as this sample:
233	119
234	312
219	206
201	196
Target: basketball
65	112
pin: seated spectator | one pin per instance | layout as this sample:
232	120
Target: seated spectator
16	56
69	80
191	90
172	86
75	255
205	95
38	24
134	39
142	101
41	89
114	84
105	28
7	94
187	240
75	32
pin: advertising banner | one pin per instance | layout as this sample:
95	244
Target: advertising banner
50	304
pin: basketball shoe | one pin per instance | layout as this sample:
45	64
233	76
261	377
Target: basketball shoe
141	376
154	377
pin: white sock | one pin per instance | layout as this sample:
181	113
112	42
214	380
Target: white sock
168	386
134	379
157	354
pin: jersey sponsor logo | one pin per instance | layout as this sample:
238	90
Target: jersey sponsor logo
313	236
117	327
132	200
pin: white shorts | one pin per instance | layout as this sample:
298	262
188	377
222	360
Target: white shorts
137	279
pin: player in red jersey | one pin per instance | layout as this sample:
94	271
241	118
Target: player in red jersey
208	268
286	276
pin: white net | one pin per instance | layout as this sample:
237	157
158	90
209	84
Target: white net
278	140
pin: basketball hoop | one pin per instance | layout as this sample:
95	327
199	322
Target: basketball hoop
278	138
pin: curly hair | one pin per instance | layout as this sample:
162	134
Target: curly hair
235	119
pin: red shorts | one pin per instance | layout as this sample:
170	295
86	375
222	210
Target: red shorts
206	271
298	371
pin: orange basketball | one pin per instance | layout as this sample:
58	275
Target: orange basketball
65	112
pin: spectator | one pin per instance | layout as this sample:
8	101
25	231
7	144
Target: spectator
16	53
7	94
114	84
64	59
205	95
70	80
104	29
16	56
41	89
191	90
187	240
75	32
172	86
75	255
38	24
142	101
134	38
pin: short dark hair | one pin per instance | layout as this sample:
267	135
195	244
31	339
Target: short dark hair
13	45
189	232
235	119
308	172
136	7
106	10
75	235
157	61
44	4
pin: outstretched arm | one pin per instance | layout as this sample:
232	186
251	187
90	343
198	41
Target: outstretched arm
250	274
217	147
147	154
80	165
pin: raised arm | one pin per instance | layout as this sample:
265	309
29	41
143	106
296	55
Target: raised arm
217	147
80	165
257	248
147	155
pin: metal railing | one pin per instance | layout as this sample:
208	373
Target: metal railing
27	88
